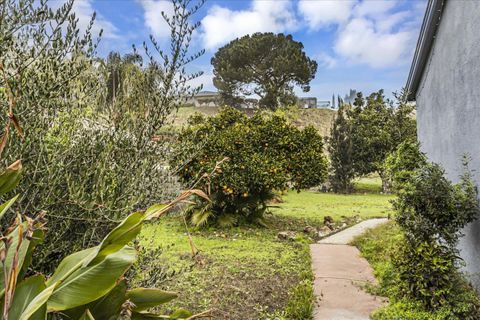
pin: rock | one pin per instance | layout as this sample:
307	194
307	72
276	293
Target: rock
286	235
330	226
324	231
310	230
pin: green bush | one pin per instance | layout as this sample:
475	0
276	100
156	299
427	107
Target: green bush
430	208
431	211
401	164
87	284
258	156
382	245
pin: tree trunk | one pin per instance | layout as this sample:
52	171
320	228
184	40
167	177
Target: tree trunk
385	182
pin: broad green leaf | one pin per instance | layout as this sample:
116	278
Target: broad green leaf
107	307
10	177
69	265
125	232
25	292
146	298
88	284
87	316
151	211
20	242
5	206
37	303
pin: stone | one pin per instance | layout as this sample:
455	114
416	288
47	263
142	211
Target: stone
324	231
310	230
286	235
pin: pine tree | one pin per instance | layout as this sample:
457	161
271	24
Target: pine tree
340	148
333	101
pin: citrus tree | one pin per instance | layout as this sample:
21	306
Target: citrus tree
249	158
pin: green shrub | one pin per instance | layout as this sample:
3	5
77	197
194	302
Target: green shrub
87	284
382	245
430	208
431	211
401	164
258	156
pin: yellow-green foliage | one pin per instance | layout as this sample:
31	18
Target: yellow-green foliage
258	155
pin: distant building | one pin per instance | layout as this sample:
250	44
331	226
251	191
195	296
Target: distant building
324	104
206	99
350	97
307	102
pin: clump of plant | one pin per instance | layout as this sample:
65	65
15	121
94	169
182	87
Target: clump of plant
87	129
250	159
88	284
401	164
431	212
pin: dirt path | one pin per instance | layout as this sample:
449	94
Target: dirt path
339	273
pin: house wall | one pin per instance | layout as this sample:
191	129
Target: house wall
448	103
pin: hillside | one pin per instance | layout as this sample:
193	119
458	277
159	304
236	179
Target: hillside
321	119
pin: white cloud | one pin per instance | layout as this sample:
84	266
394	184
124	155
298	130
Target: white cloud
319	14
84	10
153	16
222	25
360	42
325	60
374	33
374	8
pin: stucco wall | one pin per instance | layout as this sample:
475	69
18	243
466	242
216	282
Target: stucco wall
448	102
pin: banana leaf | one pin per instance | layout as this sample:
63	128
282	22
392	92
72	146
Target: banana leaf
25	292
88	284
146	298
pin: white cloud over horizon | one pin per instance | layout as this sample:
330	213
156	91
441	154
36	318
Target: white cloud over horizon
373	33
222	25
368	32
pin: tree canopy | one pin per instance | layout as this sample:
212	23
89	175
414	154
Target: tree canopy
265	64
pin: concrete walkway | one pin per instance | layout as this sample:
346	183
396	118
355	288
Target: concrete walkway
339	273
346	236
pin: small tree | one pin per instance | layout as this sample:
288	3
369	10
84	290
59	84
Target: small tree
265	64
432	211
258	155
340	148
378	127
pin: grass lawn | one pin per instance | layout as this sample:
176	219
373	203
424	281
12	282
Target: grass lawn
247	272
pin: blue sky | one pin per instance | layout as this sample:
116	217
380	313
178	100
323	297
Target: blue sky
360	44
